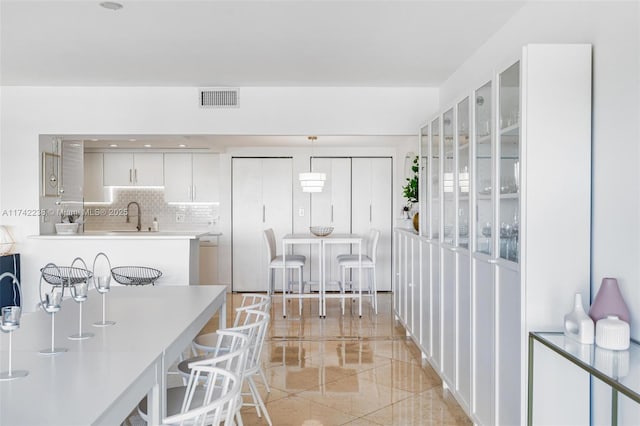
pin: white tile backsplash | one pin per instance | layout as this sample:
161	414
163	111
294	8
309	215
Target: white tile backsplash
151	200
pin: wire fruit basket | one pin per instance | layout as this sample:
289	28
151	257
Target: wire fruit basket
321	231
65	275
135	275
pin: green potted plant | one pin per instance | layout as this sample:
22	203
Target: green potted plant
410	190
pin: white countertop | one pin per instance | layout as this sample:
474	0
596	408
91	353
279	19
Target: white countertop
128	235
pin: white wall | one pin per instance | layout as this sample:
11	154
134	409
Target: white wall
614	30
27	112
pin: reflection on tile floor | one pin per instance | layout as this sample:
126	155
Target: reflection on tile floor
346	370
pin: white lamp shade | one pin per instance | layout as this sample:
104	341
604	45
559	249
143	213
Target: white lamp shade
311	189
312	182
312	176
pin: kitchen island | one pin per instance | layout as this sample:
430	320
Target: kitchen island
173	253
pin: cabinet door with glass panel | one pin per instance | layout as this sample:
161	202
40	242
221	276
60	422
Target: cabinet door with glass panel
448	172
483	167
434	180
423	179
509	162
464	159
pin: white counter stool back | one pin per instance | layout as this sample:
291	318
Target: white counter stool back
294	262
352	261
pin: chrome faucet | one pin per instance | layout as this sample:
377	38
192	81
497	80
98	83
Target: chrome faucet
139	226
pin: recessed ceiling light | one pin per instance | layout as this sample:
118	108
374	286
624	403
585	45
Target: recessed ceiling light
147	145
132	140
94	140
182	145
113	145
111	5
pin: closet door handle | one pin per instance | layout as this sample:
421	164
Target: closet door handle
332	213
263	214
370	213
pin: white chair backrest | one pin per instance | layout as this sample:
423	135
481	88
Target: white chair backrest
244	315
372	244
229	353
213	411
256	337
270	239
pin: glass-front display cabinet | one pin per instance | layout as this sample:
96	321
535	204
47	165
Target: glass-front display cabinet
434	186
464	153
483	166
509	164
423	180
448	183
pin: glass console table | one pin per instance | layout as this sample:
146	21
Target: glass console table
608	366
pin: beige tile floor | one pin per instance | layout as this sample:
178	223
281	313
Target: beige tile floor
346	370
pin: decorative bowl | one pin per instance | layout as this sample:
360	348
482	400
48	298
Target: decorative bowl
321	231
67	228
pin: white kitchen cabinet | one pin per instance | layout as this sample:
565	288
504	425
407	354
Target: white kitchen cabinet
94	189
191	178
133	169
371	180
261	199
495	254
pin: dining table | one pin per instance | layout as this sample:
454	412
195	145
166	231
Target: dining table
323	242
101	380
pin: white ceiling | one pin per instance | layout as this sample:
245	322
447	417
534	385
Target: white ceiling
242	43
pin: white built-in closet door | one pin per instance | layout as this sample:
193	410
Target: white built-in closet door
371	208
261	199
331	207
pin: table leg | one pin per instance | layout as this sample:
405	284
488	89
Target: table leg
222	313
284	279
360	278
155	407
322	286
530	384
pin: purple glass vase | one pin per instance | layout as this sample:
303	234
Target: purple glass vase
609	301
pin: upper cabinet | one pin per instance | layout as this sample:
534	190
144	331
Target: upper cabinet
191	178
133	169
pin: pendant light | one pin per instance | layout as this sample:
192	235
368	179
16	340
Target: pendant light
312	181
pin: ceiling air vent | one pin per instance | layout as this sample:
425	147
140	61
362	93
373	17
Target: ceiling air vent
220	98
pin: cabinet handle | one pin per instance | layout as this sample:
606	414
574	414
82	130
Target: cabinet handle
130	175
370	214
263	214
332	213
135	175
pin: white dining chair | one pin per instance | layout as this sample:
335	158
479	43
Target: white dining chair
212	394
293	262
254	324
368	261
